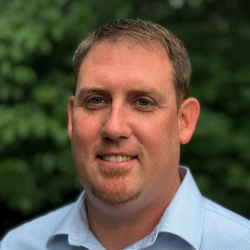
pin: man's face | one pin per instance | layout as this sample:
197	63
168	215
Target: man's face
123	123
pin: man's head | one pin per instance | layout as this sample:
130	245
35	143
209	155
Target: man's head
142	33
124	124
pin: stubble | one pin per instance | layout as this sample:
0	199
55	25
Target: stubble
115	193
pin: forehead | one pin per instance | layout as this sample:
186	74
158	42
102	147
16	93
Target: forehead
146	65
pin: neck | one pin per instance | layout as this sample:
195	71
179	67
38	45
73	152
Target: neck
120	225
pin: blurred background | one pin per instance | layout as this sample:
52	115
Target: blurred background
37	42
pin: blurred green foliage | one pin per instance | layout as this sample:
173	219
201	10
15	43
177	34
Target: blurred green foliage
37	42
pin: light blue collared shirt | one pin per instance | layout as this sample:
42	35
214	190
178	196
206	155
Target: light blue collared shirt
190	222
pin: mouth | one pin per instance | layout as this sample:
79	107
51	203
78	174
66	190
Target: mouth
117	158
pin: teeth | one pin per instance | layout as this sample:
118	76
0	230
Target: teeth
118	158
111	158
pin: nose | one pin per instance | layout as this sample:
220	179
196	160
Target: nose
116	125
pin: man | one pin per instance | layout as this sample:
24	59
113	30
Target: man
126	121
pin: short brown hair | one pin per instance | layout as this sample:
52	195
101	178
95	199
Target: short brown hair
142	32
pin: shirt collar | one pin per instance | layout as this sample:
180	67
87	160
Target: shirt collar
183	217
75	227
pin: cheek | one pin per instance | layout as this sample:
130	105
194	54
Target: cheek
170	140
158	134
86	129
85	136
160	144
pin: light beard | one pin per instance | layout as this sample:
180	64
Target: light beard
116	195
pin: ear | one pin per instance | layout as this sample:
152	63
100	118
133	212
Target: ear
188	115
70	115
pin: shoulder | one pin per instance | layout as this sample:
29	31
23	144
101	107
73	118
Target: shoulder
34	234
219	212
224	229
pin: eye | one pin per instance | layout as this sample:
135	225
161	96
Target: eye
143	102
96	100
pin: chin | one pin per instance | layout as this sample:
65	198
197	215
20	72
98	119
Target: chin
115	197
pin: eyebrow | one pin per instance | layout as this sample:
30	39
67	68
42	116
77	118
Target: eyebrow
142	91
90	89
87	89
97	89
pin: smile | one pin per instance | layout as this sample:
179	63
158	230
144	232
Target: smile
118	158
